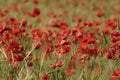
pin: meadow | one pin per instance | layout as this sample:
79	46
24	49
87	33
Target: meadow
59	39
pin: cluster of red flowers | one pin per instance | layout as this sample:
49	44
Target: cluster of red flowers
116	75
58	64
57	38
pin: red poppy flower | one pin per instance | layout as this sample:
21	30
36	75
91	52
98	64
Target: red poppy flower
69	71
100	14
116	75
45	76
36	12
60	63
23	22
53	66
29	64
93	51
1	28
36	1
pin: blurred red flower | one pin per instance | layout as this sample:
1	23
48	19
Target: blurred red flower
45	76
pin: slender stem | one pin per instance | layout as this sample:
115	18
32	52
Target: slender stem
104	37
4	53
33	48
118	24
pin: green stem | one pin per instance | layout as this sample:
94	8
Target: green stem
104	37
118	24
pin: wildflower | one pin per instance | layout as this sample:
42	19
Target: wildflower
29	64
60	63
100	14
18	57
65	49
69	71
116	75
36	12
23	22
93	51
45	76
36	1
53	66
1	28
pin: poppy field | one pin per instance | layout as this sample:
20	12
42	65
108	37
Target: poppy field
59	39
